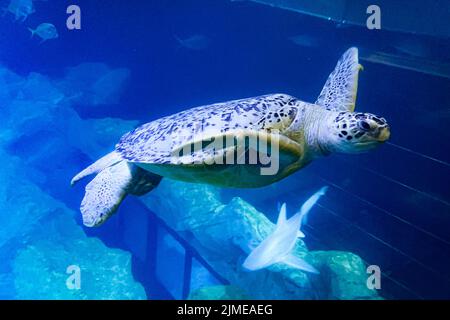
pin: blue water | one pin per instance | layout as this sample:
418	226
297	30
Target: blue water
391	206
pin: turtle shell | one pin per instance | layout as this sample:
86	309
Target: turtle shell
218	143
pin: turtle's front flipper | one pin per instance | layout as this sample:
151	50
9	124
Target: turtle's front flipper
107	190
339	92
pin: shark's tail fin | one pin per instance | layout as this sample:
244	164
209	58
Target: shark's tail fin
306	207
322	191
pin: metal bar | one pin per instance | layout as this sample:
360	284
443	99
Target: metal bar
187	273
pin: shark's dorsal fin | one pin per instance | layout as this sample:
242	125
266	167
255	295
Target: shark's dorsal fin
282	215
339	92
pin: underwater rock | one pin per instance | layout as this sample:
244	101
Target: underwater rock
222	234
21	9
10	84
39	122
345	275
22	204
218	293
107	132
37	135
40	140
37	87
28	104
96	137
39	262
94	84
105	272
40	126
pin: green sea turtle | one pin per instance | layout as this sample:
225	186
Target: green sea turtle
174	146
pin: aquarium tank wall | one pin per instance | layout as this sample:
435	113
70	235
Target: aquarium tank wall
357	208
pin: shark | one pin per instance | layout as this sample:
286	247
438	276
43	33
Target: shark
278	246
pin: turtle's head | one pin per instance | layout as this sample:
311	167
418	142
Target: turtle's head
353	132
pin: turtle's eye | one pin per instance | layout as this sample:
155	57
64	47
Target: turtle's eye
364	126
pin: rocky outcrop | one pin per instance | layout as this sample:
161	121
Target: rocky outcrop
39	237
223	232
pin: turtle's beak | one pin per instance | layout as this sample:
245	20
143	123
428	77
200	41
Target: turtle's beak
383	134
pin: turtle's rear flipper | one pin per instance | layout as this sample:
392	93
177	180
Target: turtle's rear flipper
107	190
102	163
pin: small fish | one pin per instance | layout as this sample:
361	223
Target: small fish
277	247
45	31
194	42
21	9
304	40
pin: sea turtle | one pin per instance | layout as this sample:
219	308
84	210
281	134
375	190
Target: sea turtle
175	146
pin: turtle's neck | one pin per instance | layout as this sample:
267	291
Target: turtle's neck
317	124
